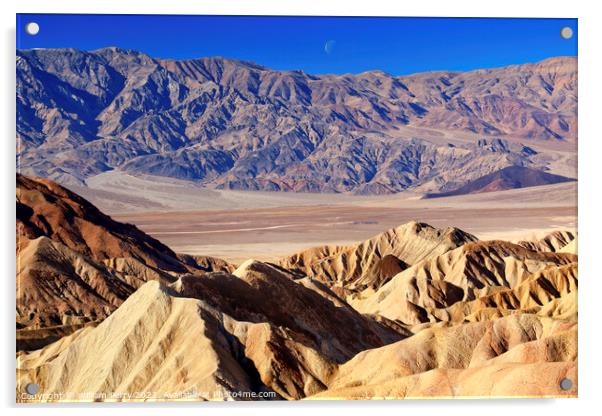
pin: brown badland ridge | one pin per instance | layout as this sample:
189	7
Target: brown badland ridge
45	208
77	265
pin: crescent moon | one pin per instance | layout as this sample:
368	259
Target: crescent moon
329	46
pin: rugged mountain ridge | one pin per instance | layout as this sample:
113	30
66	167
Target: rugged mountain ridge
238	125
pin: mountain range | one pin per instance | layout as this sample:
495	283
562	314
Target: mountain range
230	124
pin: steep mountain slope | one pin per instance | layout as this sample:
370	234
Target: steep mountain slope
500	99
238	125
126	353
59	286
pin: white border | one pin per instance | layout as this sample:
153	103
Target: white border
590	199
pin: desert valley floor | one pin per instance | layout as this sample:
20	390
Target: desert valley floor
237	226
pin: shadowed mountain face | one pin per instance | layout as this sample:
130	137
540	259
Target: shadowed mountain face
237	125
511	177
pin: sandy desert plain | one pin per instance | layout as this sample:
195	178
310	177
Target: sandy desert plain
238	225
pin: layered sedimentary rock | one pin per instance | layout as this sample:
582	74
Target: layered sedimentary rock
554	241
520	355
413	312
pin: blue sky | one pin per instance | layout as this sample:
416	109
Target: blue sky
355	44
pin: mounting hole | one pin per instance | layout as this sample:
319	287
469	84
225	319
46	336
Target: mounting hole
32	388
566	32
566	384
32	28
